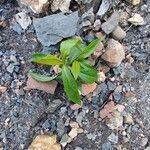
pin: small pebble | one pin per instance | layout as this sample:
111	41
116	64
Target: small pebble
97	25
118	33
128	119
10	68
136	2
78	148
136	20
144	141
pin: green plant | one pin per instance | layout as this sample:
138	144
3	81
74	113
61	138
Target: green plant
75	68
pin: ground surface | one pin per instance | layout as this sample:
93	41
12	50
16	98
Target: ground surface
24	114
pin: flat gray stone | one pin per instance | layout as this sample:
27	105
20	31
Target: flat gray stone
103	7
107	146
10	68
52	29
113	138
111	23
53	106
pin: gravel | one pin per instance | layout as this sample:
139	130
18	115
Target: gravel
25	114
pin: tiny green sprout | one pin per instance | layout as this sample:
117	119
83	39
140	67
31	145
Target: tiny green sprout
74	64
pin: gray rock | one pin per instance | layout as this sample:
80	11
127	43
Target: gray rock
130	72
53	106
103	7
10	68
107	146
117	96
17	27
78	148
118	70
97	25
144	141
23	19
111	23
147	148
13	58
79	118
113	138
86	23
91	136
60	127
118	33
52	29
64	140
89	15
86	1
111	86
89	38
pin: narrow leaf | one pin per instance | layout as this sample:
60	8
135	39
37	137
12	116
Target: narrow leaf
70	85
48	60
90	49
88	74
67	45
37	55
75	69
40	77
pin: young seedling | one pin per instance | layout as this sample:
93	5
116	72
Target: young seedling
74	64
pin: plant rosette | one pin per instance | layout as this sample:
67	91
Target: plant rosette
74	65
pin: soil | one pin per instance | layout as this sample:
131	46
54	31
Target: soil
23	114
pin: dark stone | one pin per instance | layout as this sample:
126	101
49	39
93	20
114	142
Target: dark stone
117	96
111	86
89	38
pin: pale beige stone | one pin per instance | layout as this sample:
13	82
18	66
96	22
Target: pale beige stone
136	20
37	6
44	142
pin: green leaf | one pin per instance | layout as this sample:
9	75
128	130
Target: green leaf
90	49
88	74
67	45
75	69
40	77
37	56
70	85
74	53
48	60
